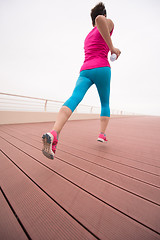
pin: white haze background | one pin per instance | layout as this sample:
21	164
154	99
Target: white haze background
41	50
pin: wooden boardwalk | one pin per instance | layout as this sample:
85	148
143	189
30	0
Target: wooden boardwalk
90	190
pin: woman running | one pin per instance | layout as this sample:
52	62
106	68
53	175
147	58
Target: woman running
95	70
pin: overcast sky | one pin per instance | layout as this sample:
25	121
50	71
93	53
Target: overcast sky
41	50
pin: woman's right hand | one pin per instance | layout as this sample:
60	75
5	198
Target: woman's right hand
116	51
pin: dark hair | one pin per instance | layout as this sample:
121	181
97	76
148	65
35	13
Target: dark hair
99	9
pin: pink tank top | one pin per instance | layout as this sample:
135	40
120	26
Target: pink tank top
96	51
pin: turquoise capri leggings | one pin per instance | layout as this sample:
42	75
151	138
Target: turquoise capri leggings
98	76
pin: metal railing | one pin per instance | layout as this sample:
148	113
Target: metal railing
13	102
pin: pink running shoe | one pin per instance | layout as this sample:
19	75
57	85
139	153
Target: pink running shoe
102	137
50	141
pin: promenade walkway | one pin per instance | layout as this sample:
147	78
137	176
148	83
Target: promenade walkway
91	190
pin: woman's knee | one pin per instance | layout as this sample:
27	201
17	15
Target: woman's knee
105	111
73	102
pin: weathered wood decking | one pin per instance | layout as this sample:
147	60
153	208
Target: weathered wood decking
90	190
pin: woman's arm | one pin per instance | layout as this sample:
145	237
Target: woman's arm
105	26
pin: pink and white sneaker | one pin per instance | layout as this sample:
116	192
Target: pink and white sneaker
102	137
50	141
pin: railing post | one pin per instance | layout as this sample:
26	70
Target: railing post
91	109
45	107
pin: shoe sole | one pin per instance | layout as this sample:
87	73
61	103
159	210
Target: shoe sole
101	140
47	140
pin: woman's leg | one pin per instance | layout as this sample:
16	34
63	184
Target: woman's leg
103	124
102	81
50	139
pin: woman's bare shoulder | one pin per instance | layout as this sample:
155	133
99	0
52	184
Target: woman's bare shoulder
100	19
110	24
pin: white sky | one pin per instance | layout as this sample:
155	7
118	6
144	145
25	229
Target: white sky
41	50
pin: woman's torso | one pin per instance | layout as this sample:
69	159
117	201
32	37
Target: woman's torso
96	51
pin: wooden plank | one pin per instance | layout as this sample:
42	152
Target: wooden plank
116	179
9	226
41	216
62	189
